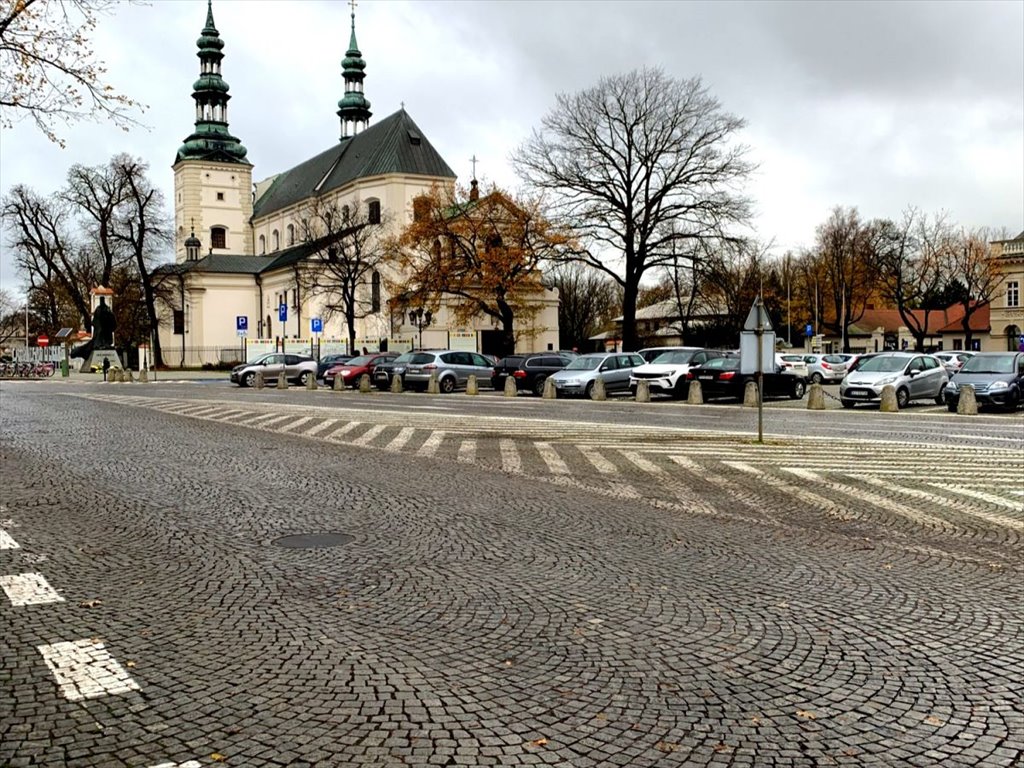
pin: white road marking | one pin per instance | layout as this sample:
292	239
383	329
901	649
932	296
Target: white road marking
275	420
367	437
399	441
6	542
687	463
262	417
346	428
742	467
640	462
467	451
431	444
85	669
805	474
944	502
294	424
320	427
29	589
599	462
991	498
510	461
189	764
555	464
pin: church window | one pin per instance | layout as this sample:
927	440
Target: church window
291	234
295	298
420	208
263	244
179	322
220	195
218	237
375	292
373	212
275	240
344	213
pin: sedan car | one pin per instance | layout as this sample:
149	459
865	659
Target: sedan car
353	370
529	371
914	376
329	361
997	378
297	368
721	377
452	368
826	369
666	374
579	376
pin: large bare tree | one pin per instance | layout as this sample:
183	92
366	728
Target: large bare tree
587	301
639	165
48	68
977	272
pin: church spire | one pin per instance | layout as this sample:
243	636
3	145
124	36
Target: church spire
353	109
211	140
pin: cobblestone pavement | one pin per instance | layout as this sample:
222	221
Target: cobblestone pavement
517	591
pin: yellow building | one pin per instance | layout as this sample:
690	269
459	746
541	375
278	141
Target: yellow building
1007	309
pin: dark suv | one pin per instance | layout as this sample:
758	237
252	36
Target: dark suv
529	371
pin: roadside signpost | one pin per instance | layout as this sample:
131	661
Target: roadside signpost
316	327
242	325
757	353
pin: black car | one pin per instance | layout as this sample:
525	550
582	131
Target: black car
327	361
386	370
721	377
997	378
529	371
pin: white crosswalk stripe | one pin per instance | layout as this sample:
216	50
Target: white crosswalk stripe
29	589
344	429
467	451
550	456
431	444
640	462
316	430
294	424
510	461
7	541
368	436
400	440
597	460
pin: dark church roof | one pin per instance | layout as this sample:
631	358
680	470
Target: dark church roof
394	145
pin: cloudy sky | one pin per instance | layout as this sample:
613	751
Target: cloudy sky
878	105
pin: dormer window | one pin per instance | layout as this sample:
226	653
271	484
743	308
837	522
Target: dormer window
291	234
263	244
218	237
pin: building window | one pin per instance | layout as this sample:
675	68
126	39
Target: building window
373	211
958	344
275	240
375	292
263	244
218	237
295	298
1013	294
291	234
344	213
179	322
220	196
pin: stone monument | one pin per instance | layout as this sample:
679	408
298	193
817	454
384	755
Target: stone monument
103	325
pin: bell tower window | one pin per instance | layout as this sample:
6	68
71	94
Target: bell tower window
218	237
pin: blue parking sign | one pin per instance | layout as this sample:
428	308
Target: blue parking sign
241	323
316	324
282	312
809	330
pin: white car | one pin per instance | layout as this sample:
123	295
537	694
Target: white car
954	361
666	373
792	363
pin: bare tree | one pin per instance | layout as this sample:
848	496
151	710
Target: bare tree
12	321
49	71
637	166
587	301
976	270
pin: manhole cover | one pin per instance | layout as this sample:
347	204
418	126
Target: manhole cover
314	540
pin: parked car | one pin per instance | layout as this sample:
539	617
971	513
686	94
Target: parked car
353	370
792	362
997	378
453	369
296	368
329	361
826	369
613	368
650	353
953	361
915	377
859	359
529	371
666	374
721	377
385	370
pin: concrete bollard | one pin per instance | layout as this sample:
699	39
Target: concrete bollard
598	392
967	405
888	402
816	398
364	383
432	388
511	390
550	393
396	383
472	387
282	381
338	384
643	392
114	375
695	396
750	395
129	378
143	377
259	382
311	383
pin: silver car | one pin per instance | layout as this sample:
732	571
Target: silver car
826	369
915	377
453	369
579	376
296	368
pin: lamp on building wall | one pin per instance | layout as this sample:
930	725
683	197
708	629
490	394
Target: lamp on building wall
420	318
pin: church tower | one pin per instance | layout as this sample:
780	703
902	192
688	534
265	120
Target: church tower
353	109
212	178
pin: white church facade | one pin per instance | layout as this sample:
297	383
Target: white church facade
244	253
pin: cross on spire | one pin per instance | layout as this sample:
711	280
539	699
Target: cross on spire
473	160
352	4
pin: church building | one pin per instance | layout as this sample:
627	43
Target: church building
257	267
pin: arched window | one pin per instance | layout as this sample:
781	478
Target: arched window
345	213
263	244
275	240
375	292
373	211
218	237
291	234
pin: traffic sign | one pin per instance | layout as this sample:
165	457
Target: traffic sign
316	324
758	318
43	341
282	312
809	330
241	323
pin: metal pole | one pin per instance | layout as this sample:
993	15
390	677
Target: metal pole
760	375
26	326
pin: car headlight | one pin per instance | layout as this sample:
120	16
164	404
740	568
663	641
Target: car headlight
998	385
952	387
886	380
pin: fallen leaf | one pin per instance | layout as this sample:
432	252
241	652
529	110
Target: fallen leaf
666	746
90	603
217	757
805	714
537	742
130	664
933	720
720	748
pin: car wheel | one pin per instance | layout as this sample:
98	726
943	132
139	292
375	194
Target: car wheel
1012	400
682	388
538	385
248	379
588	391
902	398
817	378
799	388
446	385
941	397
847	403
304	378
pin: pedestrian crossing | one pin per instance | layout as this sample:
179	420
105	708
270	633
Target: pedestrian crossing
949	488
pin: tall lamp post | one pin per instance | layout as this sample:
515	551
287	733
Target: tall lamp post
420	318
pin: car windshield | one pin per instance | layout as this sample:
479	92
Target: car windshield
405	357
421	358
585	363
725	363
834	358
989	364
675	358
355	362
883	365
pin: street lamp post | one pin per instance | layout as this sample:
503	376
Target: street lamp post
420	319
